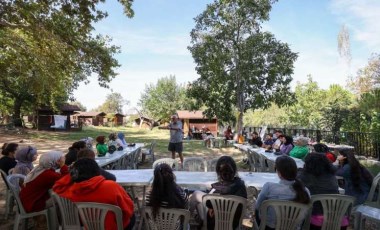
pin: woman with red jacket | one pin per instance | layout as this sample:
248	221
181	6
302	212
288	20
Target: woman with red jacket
85	184
35	193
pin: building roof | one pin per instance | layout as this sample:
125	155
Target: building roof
63	108
186	114
90	114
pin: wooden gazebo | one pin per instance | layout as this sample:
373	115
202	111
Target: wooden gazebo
196	120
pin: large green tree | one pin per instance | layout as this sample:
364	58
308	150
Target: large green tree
239	65
47	47
160	100
114	104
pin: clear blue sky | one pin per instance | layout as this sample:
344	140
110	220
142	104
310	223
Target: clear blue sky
154	42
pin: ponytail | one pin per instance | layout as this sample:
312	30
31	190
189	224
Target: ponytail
301	195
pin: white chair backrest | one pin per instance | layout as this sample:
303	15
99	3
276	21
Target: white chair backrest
212	165
197	164
289	214
172	162
259	164
93	215
69	212
225	207
335	207
374	192
167	218
14	185
4	176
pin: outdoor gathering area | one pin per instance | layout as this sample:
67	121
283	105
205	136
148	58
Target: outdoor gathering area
189	115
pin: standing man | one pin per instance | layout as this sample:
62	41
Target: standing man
176	136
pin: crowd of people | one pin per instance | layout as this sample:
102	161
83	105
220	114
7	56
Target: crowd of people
76	176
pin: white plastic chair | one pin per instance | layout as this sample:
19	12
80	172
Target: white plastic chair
9	202
335	207
13	182
69	212
167	219
212	165
93	215
225	207
371	208
254	161
259	164
289	214
172	162
197	164
150	151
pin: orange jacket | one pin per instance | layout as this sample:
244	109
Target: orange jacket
100	190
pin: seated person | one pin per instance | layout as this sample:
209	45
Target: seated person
300	149
357	179
25	157
286	144
189	135
71	156
277	140
228	184
322	148
114	143
121	139
165	192
88	153
255	139
8	160
289	188
85	184
228	134
101	147
268	141
318	175
35	193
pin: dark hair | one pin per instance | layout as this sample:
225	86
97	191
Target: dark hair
165	189
112	136
270	134
287	168
100	139
86	153
278	131
9	148
79	145
318	164
321	148
356	167
288	140
226	168
84	169
255	133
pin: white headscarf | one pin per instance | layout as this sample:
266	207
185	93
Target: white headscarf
47	161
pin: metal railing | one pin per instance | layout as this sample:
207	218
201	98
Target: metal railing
365	143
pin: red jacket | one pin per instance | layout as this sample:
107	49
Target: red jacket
100	190
36	192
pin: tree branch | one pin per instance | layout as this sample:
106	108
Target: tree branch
5	23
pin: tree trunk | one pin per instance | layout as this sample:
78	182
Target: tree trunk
17	112
240	122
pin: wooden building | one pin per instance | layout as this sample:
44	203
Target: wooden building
91	118
46	118
196	120
118	119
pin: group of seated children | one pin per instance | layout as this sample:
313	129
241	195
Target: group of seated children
115	143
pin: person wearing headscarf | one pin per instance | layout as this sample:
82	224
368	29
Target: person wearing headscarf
35	193
8	160
25	157
121	137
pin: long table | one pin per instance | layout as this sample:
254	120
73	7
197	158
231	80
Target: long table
270	155
117	155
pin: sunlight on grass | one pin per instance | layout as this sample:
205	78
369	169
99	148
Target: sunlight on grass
136	135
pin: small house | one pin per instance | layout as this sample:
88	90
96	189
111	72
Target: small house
90	118
195	120
50	119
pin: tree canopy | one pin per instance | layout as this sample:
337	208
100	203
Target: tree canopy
161	100
239	65
114	104
47	48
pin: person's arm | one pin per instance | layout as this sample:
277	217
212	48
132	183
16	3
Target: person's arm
262	196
